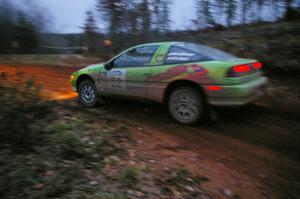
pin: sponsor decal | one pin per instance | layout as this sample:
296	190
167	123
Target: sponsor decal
191	71
176	56
115	80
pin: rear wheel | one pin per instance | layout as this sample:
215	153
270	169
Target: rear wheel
87	93
186	105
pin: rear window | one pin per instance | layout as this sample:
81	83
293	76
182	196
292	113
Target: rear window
179	54
189	52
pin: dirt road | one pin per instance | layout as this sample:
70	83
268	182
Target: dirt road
251	152
52	80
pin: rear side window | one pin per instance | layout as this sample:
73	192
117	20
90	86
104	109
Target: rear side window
178	54
137	57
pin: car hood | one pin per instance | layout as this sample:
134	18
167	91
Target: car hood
94	66
90	68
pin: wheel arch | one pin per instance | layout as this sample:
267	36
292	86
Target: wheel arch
81	78
178	83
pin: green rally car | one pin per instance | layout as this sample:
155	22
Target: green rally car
187	77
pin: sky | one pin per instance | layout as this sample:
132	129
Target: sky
68	16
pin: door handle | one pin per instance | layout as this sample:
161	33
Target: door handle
146	73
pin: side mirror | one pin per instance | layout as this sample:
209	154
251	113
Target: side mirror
132	51
109	65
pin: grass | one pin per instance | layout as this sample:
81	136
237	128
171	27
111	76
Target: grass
182	183
182	177
101	195
128	176
46	154
57	168
21	106
25	176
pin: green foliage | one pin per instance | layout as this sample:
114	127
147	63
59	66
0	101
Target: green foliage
231	6
183	177
292	14
128	176
113	11
63	182
16	176
63	154
135	17
246	5
205	17
183	181
18	29
21	106
26	177
145	14
180	176
104	195
65	140
26	36
91	35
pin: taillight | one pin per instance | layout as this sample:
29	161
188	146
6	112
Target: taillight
257	65
214	88
239	70
244	69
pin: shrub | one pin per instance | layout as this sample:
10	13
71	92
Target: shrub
21	106
128	176
65	140
23	176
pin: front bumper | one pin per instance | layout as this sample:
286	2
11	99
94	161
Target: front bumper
239	94
73	84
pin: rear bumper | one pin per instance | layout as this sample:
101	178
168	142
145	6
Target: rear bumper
237	95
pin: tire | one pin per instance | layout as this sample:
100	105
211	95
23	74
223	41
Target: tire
186	105
87	94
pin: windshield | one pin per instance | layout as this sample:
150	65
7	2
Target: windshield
211	53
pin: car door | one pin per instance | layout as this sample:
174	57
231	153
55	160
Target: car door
129	74
171	64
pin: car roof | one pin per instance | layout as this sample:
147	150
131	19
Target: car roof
158	43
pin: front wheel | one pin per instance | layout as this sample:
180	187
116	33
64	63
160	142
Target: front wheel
186	105
87	94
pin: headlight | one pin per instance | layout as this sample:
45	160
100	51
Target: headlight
72	77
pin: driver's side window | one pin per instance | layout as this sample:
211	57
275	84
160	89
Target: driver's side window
137	57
